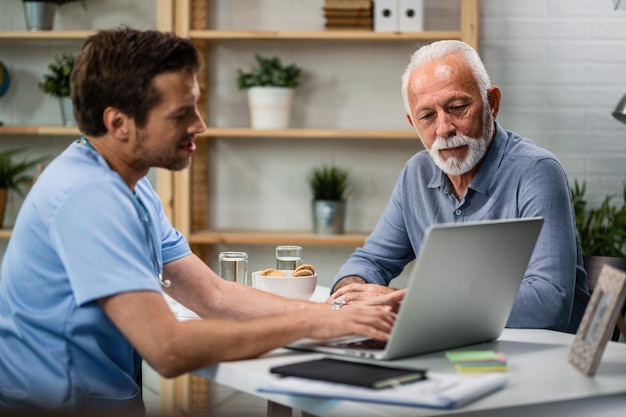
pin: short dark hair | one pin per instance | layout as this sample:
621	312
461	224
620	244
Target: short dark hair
115	68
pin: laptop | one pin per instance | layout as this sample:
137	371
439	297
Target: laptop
460	291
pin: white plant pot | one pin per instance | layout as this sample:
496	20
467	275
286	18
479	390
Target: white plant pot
270	107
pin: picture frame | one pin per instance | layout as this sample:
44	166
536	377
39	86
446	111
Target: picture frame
599	320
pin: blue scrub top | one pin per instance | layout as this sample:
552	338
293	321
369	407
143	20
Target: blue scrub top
81	235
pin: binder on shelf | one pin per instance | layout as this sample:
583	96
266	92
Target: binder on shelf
386	15
411	15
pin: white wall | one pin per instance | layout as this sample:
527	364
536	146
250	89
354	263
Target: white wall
27	60
559	64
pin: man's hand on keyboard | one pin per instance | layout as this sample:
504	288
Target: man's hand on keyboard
370	294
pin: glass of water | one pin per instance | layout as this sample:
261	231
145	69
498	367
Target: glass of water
288	257
233	266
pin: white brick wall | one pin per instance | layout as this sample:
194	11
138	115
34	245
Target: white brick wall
559	63
561	66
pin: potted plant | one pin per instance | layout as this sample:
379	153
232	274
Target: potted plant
602	233
57	84
40	13
270	86
602	230
330	185
13	175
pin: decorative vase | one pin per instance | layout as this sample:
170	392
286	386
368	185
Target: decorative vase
270	107
39	15
328	217
67	112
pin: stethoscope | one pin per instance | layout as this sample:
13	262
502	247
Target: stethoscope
145	217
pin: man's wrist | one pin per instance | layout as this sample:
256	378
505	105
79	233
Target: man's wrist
350	279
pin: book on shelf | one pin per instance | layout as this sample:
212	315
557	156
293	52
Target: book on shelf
348	13
350	22
348	4
349	28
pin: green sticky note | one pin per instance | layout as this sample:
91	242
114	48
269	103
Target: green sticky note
472	355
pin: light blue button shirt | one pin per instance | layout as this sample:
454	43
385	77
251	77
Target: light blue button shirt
516	179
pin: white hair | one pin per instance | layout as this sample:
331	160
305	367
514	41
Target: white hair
438	50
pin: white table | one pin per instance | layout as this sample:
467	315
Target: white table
541	382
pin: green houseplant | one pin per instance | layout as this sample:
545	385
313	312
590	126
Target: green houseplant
602	232
14	175
57	81
330	186
602	229
39	14
57	84
269	72
270	87
329	182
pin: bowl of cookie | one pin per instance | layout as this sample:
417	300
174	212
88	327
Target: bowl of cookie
298	284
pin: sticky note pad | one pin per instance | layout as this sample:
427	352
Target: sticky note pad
472	355
460	367
478	361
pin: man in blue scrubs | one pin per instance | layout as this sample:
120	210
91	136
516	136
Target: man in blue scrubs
81	297
473	169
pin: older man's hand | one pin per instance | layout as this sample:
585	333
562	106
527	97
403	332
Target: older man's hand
369	293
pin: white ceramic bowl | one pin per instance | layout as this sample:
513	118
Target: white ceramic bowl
299	288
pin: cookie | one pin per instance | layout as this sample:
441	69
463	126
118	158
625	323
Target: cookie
272	273
302	273
307	267
304	270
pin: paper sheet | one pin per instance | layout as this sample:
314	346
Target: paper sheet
438	391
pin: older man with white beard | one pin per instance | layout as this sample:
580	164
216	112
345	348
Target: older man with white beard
473	169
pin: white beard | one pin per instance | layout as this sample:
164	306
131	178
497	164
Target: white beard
477	148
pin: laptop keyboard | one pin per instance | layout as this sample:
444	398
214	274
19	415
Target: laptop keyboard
367	344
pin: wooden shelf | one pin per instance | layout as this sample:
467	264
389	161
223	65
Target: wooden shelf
5	234
239	133
189	193
39	130
330	35
46	35
241	237
311	133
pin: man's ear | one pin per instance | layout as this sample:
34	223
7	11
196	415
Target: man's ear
410	119
118	124
493	95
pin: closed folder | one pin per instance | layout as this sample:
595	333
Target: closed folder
386	17
411	15
350	373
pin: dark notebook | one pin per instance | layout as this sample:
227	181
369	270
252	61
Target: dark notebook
351	373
